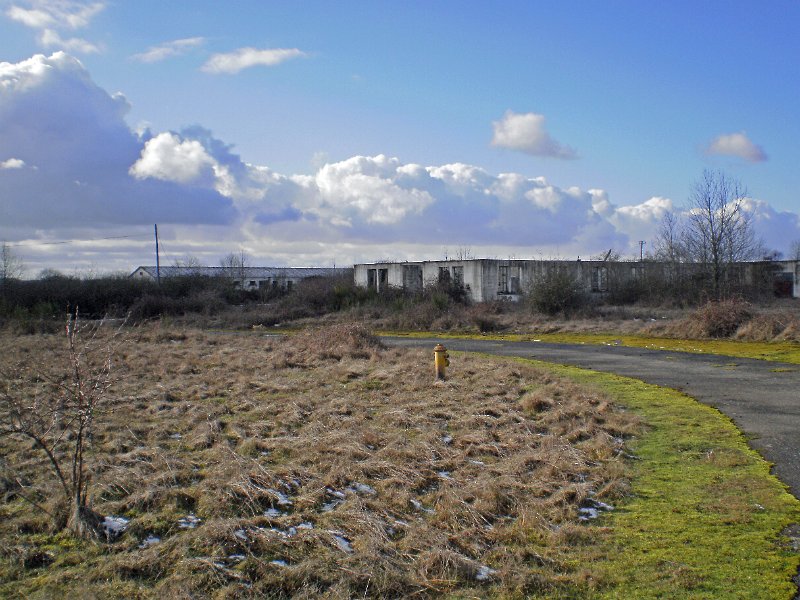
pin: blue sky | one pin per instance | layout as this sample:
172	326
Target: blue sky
304	133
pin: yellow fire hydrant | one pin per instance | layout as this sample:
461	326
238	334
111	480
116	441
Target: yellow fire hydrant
441	360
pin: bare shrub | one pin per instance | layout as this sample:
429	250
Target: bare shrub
54	407
768	326
721	319
557	291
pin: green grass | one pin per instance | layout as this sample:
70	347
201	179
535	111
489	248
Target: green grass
788	352
705	516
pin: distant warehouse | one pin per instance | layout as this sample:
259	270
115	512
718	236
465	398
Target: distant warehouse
486	279
247	278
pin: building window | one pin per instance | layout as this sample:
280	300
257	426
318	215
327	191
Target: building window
508	280
444	274
372	278
600	279
502	280
289	284
458	275
383	279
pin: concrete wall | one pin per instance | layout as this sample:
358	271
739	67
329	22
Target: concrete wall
495	279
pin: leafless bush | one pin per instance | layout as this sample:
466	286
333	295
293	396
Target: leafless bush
557	291
53	407
721	319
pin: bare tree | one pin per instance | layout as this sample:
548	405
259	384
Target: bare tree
236	265
55	411
11	266
667	246
188	262
719	227
794	251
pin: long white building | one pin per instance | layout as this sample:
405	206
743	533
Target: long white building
494	279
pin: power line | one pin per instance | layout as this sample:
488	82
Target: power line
60	242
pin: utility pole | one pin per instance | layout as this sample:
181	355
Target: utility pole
158	260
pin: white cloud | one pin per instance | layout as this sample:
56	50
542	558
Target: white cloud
51	39
170	158
640	221
778	229
243	58
525	132
33	18
366	188
12	163
54	116
168	49
50	16
65	14
737	144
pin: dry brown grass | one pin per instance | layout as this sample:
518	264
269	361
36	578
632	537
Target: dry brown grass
326	465
733	319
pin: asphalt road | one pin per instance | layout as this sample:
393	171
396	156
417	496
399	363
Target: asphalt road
762	398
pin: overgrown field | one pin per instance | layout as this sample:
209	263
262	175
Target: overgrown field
324	465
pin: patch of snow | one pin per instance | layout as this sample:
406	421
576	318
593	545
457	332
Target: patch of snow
335	493
363	488
480	463
341	542
273	512
337	498
190	521
241	534
305	525
150	540
236	557
484	573
279	563
447	440
283	499
114	526
418	505
175	436
594	510
444	475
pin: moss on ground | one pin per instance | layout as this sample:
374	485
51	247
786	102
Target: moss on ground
705	516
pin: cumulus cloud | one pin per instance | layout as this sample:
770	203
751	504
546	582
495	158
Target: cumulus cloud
168	50
12	163
244	58
640	221
778	229
54	116
70	163
170	158
50	16
737	144
525	132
